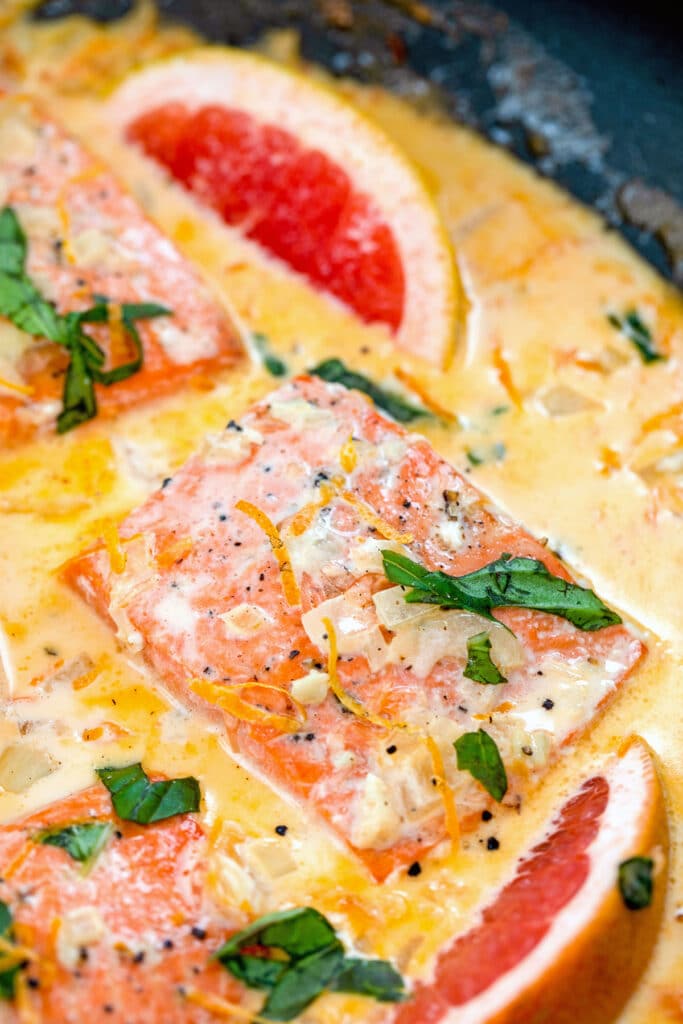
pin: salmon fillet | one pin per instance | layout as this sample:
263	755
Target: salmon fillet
223	621
116	944
86	236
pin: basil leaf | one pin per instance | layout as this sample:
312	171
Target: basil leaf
297	932
273	364
78	398
137	799
23	304
480	667
636	883
376	978
8	977
82	842
633	328
335	372
255	971
12	243
479	755
506	582
303	981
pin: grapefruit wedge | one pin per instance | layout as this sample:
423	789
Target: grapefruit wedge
308	178
558	945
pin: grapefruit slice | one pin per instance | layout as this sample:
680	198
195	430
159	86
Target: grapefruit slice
307	177
557	944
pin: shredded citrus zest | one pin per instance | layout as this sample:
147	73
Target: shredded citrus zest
289	584
228	698
348	456
112	542
26	1012
371	517
305	516
221	1007
174	552
86	678
505	375
427	400
610	461
113	731
668	419
447	796
14	865
349	702
356	708
56	665
17	952
22	389
500	709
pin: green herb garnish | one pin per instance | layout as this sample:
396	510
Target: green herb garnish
273	364
82	842
633	328
137	799
506	582
22	303
479	755
335	372
7	978
480	667
309	959
636	883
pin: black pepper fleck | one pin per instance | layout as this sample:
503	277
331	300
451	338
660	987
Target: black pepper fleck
198	933
392	749
281	830
486	815
415	869
548	704
492	843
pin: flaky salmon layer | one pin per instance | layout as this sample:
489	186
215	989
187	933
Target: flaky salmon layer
238	622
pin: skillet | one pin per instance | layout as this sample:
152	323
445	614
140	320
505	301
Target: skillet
589	93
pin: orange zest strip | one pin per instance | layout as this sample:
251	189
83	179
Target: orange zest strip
26	1012
221	1007
228	698
80	682
505	375
115	549
17	952
21	389
174	552
669	419
450	810
344	698
348	456
289	584
384	529
14	865
305	516
430	403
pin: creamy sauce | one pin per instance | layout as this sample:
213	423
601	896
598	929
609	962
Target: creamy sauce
540	273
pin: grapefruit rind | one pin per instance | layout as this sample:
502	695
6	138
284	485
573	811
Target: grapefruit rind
321	121
588	963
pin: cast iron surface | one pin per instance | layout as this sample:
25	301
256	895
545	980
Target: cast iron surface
590	93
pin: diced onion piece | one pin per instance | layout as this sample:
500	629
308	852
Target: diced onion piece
355	630
228	697
21	766
422	643
289	584
270	858
79	929
393	610
565	401
244	620
376	822
311	688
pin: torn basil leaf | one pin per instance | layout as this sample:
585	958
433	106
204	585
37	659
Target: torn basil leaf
633	328
335	372
22	303
375	978
273	364
506	582
137	799
636	883
478	754
315	962
82	842
480	667
7	978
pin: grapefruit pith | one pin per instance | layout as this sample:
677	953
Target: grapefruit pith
308	178
557	944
